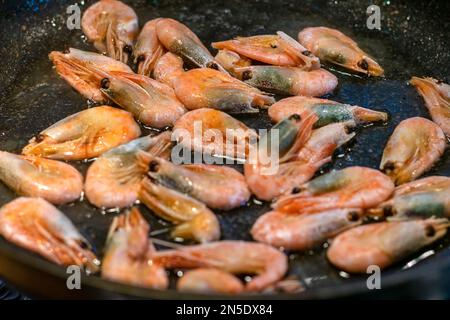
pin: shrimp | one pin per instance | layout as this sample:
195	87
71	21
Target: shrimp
328	111
231	60
129	253
180	40
70	66
333	46
36	225
427	197
54	181
289	80
168	68
437	99
383	244
112	26
113	180
236	257
220	134
208	88
86	134
192	218
414	146
303	231
210	280
279	50
147	49
218	187
352	187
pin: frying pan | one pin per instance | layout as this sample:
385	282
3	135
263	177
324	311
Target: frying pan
413	40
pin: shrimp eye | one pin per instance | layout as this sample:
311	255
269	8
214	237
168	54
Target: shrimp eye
273	46
389	166
66	51
153	166
105	83
388	211
353	216
296	190
141	58
212	65
363	64
306	53
295	117
430	231
39	138
84	245
127	49
247	75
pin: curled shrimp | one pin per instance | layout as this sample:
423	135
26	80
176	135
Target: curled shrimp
112	26
303	231
192	218
54	181
236	257
333	46
128	253
221	135
328	111
414	146
70	66
168	68
279	50
210	280
383	244
231	60
352	187
86	134
180	40
113	180
289	80
36	225
218	187
147	49
208	88
437	99
423	198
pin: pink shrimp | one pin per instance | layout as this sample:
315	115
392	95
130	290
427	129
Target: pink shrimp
168	68
210	280
147	49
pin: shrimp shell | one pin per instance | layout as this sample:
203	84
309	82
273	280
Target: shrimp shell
168	68
147	49
209	280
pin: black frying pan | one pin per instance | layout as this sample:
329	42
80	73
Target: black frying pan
413	40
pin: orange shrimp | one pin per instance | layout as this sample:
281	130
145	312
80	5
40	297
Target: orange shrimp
352	187
437	99
54	181
237	257
328	111
86	134
168	68
113	180
112	26
147	49
210	280
333	46
36	225
414	146
231	60
383	244
129	253
208	88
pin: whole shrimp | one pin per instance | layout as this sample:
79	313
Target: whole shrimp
168	68
36	225
383	244
221	134
333	46
414	146
71	67
328	111
192	218
289	80
54	181
219	187
423	198
180	40
147	49
279	50
128	254
437	99
303	231
210	280
236	257
113	180
86	134
208	88
352	187
112	26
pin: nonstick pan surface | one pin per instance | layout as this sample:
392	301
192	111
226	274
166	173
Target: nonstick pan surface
413	40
